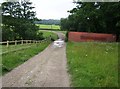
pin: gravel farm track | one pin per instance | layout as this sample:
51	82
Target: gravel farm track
46	69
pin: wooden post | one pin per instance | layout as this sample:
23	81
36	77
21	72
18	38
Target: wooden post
50	38
22	42
30	41
15	42
7	43
51	26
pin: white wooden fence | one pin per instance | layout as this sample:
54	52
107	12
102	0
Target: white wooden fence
21	42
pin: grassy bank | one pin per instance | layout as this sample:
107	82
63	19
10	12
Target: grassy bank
93	64
14	59
47	34
64	32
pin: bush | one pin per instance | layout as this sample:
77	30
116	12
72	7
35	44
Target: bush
66	37
8	33
39	36
52	39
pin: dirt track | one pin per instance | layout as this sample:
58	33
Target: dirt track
47	69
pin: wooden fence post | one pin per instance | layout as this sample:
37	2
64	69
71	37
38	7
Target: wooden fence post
51	26
15	42
7	43
22	42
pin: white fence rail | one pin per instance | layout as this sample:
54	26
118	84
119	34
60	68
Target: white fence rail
21	42
14	50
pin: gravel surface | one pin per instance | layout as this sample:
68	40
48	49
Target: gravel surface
47	69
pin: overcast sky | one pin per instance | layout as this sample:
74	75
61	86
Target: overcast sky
52	9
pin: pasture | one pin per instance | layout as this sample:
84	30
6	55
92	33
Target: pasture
51	27
93	64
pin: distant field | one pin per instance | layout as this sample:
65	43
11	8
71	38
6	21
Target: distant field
54	27
93	64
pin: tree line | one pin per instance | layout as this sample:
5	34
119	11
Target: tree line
98	17
48	22
18	21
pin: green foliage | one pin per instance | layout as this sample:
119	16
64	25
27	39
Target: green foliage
99	17
8	33
18	10
49	35
40	36
66	37
93	64
18	21
64	24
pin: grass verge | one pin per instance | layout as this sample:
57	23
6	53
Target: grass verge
93	64
14	47
64	32
14	59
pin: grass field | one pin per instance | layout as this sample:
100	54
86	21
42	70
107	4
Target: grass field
54	27
13	59
93	64
47	34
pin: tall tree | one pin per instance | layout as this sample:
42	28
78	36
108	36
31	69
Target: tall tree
100	17
19	18
27	9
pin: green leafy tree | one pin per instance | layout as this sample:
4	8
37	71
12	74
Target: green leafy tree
19	16
64	24
100	17
27	11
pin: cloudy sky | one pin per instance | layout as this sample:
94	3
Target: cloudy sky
52	9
